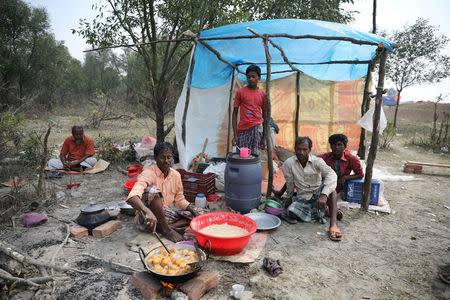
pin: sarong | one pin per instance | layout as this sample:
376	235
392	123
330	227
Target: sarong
306	210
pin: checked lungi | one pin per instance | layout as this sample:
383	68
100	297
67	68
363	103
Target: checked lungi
251	138
306	210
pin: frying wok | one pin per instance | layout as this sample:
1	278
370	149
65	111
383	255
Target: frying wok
175	278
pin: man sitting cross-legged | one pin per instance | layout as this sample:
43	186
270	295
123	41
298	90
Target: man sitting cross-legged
157	188
76	153
315	183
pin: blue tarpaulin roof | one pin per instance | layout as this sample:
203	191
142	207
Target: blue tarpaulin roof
210	72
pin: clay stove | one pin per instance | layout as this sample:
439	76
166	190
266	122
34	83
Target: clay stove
195	288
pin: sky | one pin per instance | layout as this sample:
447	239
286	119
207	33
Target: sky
391	15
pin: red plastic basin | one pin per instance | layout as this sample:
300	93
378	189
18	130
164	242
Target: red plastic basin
129	184
133	168
224	246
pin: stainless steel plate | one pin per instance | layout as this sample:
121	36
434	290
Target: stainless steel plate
265	221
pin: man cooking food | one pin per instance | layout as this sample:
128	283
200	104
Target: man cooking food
157	188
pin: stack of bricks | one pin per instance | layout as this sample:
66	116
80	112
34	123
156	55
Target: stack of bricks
78	231
194	288
412	168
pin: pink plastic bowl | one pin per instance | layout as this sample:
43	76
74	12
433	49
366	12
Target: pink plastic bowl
224	246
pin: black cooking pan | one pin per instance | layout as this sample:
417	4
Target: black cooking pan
175	278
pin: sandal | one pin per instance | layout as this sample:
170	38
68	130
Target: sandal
272	266
445	278
335	234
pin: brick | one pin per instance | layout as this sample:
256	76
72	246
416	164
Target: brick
148	286
78	231
199	285
106	228
412	168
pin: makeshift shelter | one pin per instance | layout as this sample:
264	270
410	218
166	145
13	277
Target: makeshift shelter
390	100
316	87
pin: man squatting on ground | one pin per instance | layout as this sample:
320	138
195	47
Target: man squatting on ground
157	188
76	152
252	103
315	183
342	161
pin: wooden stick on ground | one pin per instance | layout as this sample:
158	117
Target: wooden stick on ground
60	246
8	250
110	263
5	275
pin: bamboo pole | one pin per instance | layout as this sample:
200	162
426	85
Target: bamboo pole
230	111
297	106
375	134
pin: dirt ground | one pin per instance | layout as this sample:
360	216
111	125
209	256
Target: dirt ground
382	256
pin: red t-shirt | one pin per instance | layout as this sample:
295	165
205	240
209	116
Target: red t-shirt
347	163
251	103
77	151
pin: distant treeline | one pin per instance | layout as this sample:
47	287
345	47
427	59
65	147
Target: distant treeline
37	71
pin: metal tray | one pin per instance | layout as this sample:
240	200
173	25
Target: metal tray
265	221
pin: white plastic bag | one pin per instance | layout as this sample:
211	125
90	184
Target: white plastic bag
366	121
219	170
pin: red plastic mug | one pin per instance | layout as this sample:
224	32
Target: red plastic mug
244	152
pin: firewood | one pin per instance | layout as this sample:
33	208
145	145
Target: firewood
8	250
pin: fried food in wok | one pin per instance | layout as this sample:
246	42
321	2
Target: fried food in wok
173	263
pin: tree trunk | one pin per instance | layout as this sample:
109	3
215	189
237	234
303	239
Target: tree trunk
159	115
396	108
375	134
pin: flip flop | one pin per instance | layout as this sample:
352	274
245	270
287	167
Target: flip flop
445	278
272	266
335	234
285	216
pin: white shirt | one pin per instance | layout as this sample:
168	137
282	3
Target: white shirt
308	179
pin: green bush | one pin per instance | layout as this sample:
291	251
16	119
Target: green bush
11	133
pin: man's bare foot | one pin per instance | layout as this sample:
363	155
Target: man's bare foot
173	235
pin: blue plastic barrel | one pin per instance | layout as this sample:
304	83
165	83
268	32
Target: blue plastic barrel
243	182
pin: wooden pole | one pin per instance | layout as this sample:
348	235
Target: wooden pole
375	134
366	99
297	107
267	123
230	111
191	70
188	95
295	37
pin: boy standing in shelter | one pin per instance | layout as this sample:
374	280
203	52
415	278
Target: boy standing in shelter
252	103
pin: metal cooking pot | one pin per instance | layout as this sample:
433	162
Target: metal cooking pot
126	209
176	278
92	216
